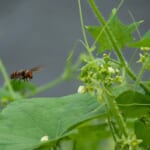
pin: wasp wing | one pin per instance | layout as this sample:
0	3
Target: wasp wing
37	69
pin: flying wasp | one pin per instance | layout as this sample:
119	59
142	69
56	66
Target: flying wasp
25	74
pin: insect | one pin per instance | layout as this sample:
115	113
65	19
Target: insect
25	74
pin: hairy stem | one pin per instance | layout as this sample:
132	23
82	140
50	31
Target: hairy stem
115	45
115	111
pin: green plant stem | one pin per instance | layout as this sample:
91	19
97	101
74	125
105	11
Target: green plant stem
110	35
138	33
82	25
103	29
114	133
142	70
133	104
47	86
115	111
115	45
7	81
133	19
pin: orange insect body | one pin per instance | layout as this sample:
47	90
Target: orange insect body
24	74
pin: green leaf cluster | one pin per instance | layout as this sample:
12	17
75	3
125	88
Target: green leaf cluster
109	115
121	32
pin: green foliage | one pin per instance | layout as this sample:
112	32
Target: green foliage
113	113
134	104
22	86
121	32
24	123
142	130
143	42
89	137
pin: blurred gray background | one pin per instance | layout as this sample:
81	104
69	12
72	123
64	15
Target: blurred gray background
35	32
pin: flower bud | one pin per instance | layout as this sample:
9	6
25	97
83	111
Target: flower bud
111	70
44	139
82	89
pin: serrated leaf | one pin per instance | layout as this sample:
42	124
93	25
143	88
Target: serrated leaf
23	123
133	103
121	32
143	42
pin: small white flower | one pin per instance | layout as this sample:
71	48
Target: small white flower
82	89
44	138
111	70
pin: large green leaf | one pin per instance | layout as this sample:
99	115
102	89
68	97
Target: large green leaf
133	103
121	32
142	130
23	123
89	137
